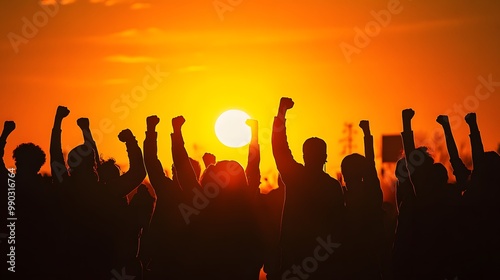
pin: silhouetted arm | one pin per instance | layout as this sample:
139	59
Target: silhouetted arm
459	169
408	141
155	170
136	173
8	127
253	171
475	140
368	140
84	125
57	165
371	178
407	134
282	153
184	170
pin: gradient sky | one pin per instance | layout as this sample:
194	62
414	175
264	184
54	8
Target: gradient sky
90	55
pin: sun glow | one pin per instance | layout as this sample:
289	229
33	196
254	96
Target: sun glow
231	129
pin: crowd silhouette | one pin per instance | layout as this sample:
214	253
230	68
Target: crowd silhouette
89	220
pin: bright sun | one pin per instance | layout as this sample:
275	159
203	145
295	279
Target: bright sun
231	129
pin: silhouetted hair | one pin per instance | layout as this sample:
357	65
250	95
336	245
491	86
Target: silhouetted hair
29	157
424	151
108	170
81	158
226	173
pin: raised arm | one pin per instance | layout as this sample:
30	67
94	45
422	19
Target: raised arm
184	171
371	176
8	127
407	134
84	125
408	145
368	140
253	171
156	173
57	165
282	154
475	140
459	169
136	173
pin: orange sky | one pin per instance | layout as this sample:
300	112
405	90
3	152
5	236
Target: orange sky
91	55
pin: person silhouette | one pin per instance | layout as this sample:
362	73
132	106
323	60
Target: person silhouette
225	243
165	242
34	205
481	210
314	207
92	209
425	232
363	198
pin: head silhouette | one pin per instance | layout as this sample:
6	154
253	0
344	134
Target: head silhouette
314	153
108	171
226	174
439	174
29	158
353	168
81	162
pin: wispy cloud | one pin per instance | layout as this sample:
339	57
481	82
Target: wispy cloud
54	2
433	24
192	68
129	59
136	5
140	6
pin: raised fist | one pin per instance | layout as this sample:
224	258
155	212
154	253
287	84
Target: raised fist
443	120
408	114
209	159
252	123
62	112
286	103
9	126
126	135
365	125
177	122
83	123
470	118
152	121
